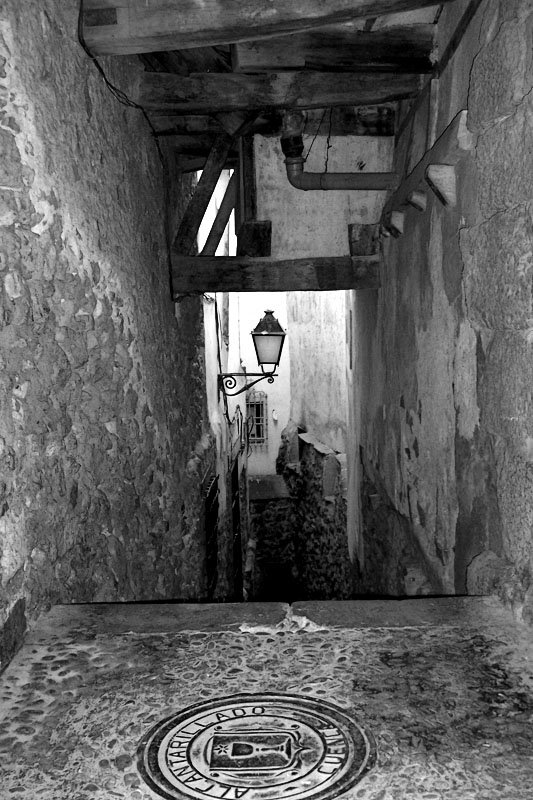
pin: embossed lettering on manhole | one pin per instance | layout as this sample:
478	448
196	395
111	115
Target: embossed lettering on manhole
258	747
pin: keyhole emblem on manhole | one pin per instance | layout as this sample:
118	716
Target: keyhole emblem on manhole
257	747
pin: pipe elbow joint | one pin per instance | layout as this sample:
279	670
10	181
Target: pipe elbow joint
295	172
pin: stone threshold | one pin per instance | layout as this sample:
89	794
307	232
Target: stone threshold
87	620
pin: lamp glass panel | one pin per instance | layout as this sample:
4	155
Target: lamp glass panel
268	347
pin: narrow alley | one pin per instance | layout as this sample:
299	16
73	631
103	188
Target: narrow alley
266	400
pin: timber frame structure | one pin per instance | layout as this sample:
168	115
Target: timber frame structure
218	72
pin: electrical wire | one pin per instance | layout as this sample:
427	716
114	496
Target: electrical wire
123	98
328	141
117	93
316	134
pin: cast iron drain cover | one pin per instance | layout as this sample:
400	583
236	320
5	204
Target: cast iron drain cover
257	746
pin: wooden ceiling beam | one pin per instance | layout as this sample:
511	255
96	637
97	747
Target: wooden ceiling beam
210	93
398	49
192	163
119	27
199	274
343	121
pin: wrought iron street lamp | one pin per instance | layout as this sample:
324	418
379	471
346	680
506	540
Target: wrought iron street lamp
268	337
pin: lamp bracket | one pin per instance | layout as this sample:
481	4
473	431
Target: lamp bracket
227	381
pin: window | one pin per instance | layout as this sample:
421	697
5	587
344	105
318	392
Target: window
256	416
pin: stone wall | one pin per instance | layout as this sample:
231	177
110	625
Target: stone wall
103	443
393	562
446	348
301	545
319	522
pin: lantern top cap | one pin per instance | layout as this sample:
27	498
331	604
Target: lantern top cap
269	324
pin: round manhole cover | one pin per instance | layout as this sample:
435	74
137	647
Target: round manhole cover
258	747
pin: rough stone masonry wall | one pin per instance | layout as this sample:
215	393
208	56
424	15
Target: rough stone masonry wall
102	439
448	416
322	566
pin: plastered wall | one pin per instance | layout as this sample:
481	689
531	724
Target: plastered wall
103	443
315	223
446	349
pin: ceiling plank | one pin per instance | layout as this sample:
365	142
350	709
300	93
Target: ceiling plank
341	121
400	49
191	144
198	274
194	163
207	93
351	121
118	27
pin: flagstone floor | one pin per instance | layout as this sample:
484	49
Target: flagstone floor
444	686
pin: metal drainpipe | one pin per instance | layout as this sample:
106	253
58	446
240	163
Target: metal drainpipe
292	146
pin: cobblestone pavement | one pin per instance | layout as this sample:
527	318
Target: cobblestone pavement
445	686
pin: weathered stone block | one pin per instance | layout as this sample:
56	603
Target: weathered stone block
498	274
10	166
499	75
506	405
394	563
485	574
504	161
505	389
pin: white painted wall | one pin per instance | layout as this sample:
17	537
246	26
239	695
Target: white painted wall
250	309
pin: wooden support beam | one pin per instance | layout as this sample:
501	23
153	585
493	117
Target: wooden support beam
344	121
209	93
351	121
453	145
363	239
184	125
198	274
255	238
198	145
118	27
231	122
191	144
399	49
222	218
247	185
190	163
441	178
433	112
187	230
